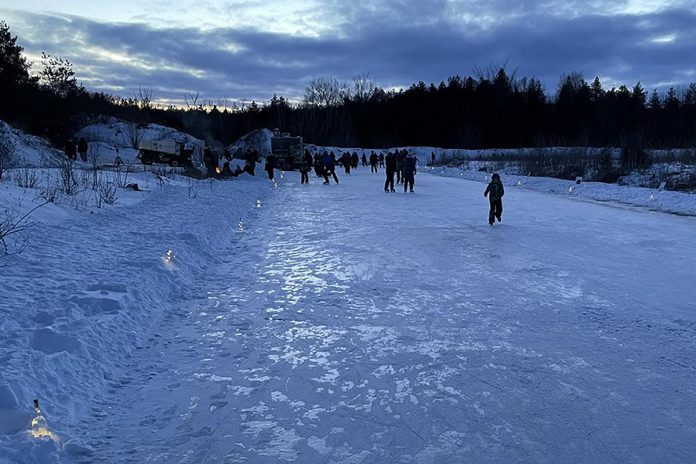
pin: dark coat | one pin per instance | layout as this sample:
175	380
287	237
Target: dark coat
494	191
408	166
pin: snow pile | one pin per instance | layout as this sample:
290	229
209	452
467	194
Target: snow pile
115	135
29	150
259	140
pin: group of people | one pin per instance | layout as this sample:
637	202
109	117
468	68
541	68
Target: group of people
399	164
72	149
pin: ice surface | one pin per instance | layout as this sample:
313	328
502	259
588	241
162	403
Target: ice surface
346	325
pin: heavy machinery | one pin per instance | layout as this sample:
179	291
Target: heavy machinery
171	152
288	151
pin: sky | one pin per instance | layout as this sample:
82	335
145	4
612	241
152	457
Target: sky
226	51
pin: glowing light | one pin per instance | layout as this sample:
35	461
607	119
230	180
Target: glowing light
258	203
39	426
570	190
218	170
168	258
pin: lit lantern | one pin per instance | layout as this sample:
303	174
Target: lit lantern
39	425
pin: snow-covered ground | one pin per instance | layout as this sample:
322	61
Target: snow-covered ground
340	324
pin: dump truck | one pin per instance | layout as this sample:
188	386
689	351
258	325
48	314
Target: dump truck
171	152
288	151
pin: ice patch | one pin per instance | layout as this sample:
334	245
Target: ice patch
328	377
319	445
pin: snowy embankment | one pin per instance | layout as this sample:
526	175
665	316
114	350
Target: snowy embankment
94	278
84	293
653	199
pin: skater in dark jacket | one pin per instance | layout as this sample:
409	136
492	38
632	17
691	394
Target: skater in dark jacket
270	165
408	171
390	164
305	167
495	192
364	160
373	162
354	160
329	167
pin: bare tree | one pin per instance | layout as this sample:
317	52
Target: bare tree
104	192
27	178
191	99
67	177
363	87
132	135
143	98
12	231
325	92
94	159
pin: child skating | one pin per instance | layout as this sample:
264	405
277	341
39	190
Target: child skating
495	192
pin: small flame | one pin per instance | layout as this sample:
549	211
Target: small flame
218	170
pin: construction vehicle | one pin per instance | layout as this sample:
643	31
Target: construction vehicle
171	152
288	151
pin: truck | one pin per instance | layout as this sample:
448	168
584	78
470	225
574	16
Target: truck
287	150
171	152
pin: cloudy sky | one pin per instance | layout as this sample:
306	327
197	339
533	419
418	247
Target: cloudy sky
253	49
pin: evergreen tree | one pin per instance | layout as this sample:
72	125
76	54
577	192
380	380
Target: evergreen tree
654	103
58	76
14	69
639	95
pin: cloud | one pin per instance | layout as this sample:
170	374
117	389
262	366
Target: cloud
398	42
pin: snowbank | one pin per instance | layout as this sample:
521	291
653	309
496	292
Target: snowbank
125	269
259	140
93	281
29	150
664	201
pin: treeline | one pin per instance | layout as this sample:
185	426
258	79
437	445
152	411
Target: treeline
494	109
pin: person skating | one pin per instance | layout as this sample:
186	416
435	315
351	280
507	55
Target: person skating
495	192
373	162
408	170
364	160
400	157
305	167
345	161
318	166
381	160
354	160
329	167
390	164
270	165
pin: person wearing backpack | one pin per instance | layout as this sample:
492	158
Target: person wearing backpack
495	192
